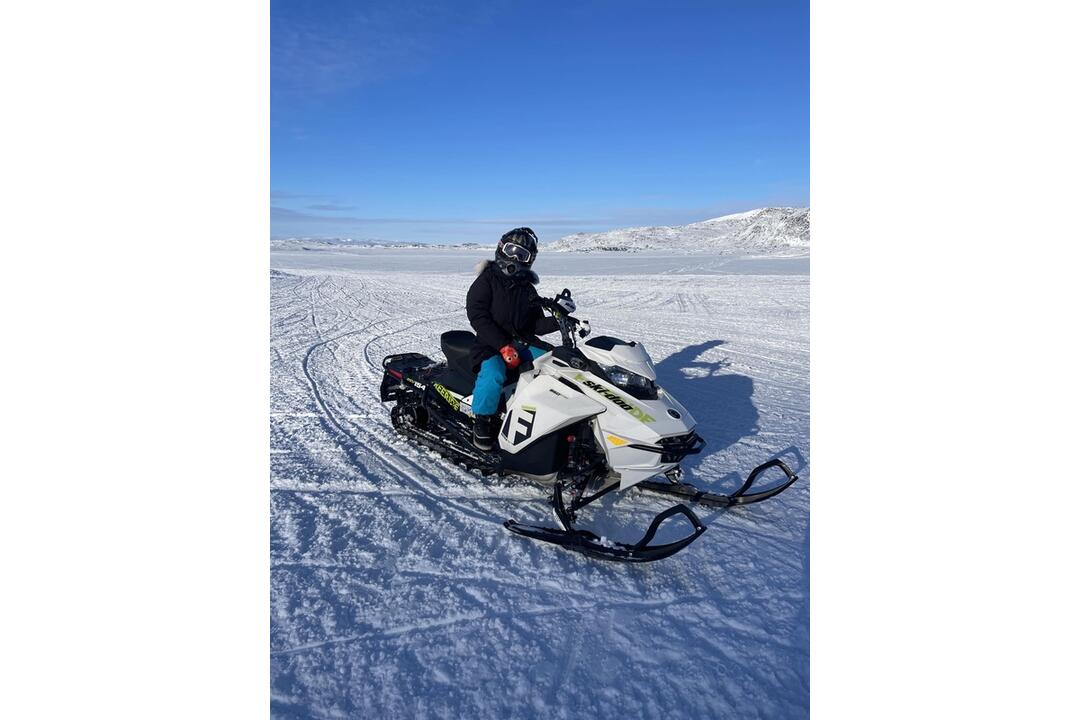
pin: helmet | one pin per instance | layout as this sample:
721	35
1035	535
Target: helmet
516	251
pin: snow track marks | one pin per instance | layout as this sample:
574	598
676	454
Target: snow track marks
395	592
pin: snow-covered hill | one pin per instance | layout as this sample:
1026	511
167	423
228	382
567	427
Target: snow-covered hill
336	244
777	230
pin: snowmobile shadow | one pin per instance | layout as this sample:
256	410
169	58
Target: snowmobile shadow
720	402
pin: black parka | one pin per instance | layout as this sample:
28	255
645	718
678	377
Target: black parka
503	309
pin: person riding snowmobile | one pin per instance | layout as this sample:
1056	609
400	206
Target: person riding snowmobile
507	314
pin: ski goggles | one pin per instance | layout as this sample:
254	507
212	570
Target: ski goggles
517	252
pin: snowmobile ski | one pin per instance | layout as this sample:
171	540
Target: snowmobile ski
739	497
593	545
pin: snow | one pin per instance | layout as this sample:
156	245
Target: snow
771	231
397	593
737	216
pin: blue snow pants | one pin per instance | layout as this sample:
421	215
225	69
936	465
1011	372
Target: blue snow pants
489	382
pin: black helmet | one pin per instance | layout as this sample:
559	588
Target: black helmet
516	251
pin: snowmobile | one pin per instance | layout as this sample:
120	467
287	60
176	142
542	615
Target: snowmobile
588	418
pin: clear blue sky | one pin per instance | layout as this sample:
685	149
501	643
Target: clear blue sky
455	121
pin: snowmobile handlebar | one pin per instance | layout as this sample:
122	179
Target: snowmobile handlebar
568	324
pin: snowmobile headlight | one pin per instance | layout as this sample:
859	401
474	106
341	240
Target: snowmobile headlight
638	386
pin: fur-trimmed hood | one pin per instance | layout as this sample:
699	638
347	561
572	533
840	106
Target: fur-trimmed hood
481	266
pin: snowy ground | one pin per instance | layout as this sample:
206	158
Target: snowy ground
397	593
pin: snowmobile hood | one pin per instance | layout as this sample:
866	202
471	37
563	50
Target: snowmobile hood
635	418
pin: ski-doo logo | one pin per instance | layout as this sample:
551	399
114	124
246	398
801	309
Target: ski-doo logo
615	398
448	397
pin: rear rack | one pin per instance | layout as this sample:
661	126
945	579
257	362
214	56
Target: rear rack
393	382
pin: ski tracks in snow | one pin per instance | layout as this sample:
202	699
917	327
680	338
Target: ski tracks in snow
395	592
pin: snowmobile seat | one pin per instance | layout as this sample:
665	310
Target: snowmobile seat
457	346
459	376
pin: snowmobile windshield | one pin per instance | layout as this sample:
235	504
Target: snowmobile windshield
517	252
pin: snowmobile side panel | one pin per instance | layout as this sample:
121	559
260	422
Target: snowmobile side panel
532	415
542	459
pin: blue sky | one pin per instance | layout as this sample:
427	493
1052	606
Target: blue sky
455	121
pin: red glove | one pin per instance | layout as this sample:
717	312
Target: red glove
510	356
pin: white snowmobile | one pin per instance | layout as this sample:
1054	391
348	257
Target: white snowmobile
590	419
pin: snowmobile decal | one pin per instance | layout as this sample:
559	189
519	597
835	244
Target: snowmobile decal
506	424
525	425
448	396
614	397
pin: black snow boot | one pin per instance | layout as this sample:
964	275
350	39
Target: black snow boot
483	435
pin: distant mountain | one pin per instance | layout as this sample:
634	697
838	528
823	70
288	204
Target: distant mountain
765	230
340	244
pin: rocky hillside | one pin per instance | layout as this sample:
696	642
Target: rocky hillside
765	230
